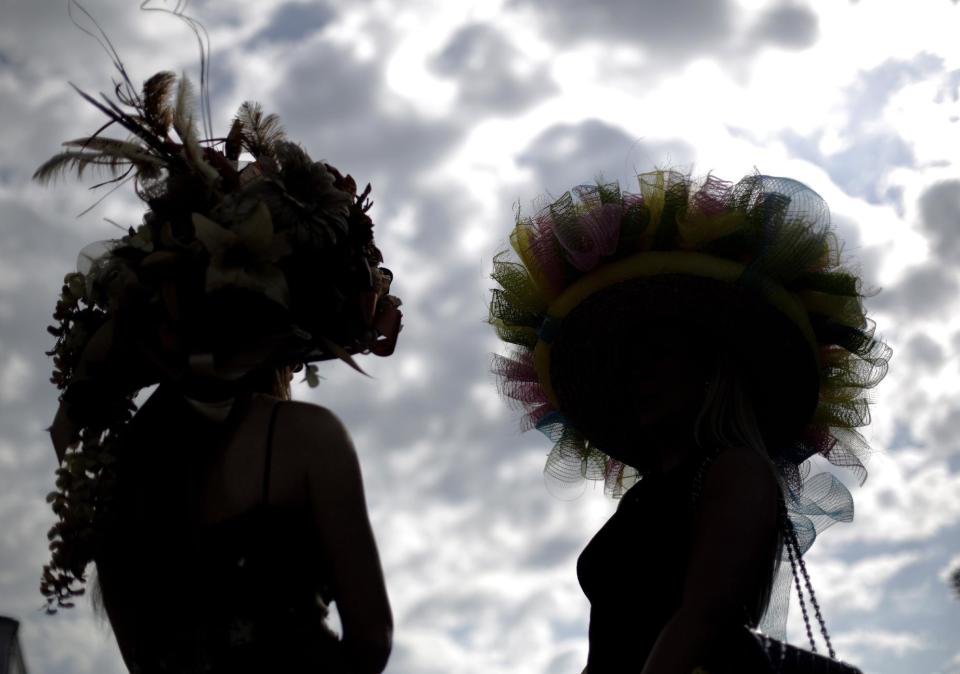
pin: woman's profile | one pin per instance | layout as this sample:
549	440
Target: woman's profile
223	518
692	346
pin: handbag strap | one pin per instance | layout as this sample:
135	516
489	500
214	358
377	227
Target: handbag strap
792	544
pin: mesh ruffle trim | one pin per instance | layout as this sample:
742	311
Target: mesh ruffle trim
777	227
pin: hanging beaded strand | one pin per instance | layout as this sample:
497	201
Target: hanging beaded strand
796	560
792	545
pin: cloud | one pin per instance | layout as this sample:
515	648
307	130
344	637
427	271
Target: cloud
340	109
671	34
946	573
480	559
923	292
950	88
940	219
944	429
897	644
295	21
924	351
862	165
15	373
870	93
681	28
868	149
909	497
490	72
861	586
789	26
565	155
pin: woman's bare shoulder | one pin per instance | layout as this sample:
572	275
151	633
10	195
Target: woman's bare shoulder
737	463
741	484
310	416
317	432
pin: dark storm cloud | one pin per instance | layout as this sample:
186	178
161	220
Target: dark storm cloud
295	21
337	107
484	65
33	249
940	219
789	26
924	292
555	552
565	155
672	33
679	29
945	432
923	351
55	45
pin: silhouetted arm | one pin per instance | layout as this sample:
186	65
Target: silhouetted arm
730	562
340	514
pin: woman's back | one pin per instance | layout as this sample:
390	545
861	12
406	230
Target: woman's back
215	561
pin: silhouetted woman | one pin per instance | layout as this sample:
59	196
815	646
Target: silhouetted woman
700	342
224	518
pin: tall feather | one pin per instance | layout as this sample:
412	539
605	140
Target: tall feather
259	132
118	116
234	142
186	128
157	111
183	120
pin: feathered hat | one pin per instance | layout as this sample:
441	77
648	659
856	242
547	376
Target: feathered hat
754	265
250	255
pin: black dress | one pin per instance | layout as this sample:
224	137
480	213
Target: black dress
242	595
633	570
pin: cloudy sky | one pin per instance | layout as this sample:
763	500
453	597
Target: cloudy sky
457	112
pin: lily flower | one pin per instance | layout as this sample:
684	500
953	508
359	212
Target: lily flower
245	255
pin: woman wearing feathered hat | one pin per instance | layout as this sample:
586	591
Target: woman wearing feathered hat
692	346
223	517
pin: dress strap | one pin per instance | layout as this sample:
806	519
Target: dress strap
269	453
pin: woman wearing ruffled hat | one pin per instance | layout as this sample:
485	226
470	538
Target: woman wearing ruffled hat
223	517
693	346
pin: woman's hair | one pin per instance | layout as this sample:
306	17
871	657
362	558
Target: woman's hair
273	381
611	334
726	419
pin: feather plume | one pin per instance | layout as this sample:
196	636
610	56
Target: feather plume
234	141
259	133
183	120
186	128
73	160
118	116
157	92
111	147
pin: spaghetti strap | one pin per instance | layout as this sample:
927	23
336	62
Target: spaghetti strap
269	454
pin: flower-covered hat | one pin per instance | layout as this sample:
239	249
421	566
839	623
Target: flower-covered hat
753	265
250	255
